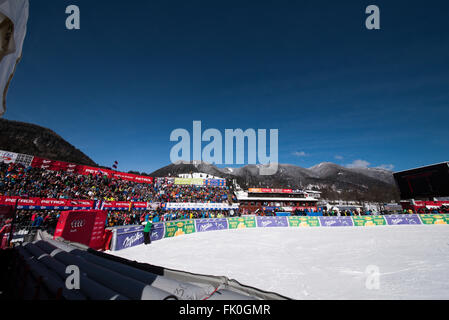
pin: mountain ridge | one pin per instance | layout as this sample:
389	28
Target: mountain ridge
333	180
27	138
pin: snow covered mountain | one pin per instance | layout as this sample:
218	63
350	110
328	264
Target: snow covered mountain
336	182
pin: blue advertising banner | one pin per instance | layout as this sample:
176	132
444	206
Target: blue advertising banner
283	214
157	232
398	219
215	182
268	222
128	229
336	221
127	237
204	225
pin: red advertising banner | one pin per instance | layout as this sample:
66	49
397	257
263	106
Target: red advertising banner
124	176
267	190
45	203
29	202
139	205
119	205
86	170
80	203
8	201
85	227
66	204
53	202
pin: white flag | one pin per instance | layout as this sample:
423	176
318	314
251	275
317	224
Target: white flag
13	25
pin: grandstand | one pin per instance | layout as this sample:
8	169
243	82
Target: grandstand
260	200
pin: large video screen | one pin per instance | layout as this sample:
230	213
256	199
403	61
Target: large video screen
426	182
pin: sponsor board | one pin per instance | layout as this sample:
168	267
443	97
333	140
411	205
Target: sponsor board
157	232
400	219
242	222
85	227
215	182
128	240
189	181
303	221
270	222
130	236
336	221
203	225
8	157
180	227
198	206
367	221
434	218
268	190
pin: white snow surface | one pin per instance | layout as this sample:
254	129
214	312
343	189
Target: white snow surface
317	262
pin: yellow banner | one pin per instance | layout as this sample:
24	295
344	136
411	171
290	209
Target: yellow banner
189	181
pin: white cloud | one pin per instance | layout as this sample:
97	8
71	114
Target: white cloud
300	154
339	157
389	167
358	164
365	164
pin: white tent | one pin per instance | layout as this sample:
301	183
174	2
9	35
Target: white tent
13	25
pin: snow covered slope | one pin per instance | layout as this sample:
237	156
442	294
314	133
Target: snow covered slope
315	263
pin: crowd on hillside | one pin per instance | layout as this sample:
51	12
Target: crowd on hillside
28	182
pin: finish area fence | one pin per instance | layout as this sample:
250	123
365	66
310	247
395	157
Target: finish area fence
130	236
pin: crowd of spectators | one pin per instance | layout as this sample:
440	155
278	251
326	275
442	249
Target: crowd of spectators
443	209
41	219
121	218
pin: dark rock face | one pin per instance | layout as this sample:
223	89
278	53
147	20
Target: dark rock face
34	140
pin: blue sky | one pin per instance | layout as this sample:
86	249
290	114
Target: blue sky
336	91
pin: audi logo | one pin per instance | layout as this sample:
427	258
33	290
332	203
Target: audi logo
78	223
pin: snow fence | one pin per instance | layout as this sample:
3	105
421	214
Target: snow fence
130	236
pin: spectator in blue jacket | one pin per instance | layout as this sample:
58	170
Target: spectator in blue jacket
38	221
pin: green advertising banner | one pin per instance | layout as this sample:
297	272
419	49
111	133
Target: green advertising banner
177	228
303	221
434	218
364	221
242	222
189	181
